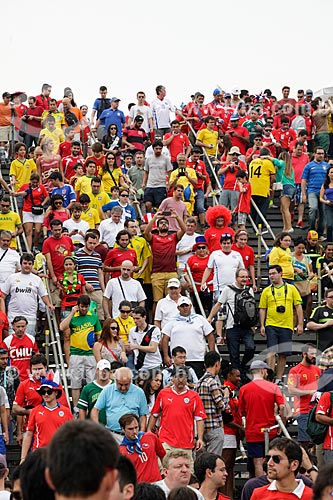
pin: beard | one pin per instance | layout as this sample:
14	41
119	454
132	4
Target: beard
311	361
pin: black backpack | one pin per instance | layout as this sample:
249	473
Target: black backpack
314	429
245	312
71	119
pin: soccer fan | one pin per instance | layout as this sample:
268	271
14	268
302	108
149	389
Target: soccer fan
91	391
218	219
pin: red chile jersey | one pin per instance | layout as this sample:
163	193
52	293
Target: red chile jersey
20	352
201	168
44	422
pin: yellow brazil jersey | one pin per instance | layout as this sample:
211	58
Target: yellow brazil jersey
207	136
83	185
83	331
92	217
125	324
10	222
98	200
143	251
58	116
285	295
284	259
188	196
56	135
260	172
22	171
110	179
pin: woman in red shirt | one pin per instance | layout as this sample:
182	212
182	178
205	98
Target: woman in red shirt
197	264
55	211
35	195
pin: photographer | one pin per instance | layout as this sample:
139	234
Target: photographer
276	312
230	192
187	178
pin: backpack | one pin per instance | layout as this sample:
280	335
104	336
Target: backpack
316	430
245	312
71	118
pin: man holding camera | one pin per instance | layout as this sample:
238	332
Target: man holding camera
276	312
230	192
187	178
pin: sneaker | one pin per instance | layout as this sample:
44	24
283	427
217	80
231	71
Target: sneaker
300	224
291	230
322	238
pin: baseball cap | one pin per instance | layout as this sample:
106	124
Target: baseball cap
184	300
103	364
173	282
227	94
312	235
6	94
234	149
234	117
235	91
309	92
138	118
217	92
115	99
258	364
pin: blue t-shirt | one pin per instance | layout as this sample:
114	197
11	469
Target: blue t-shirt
129	210
118	403
113	116
67	192
315	173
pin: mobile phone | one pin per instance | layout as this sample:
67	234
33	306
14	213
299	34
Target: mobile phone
166	213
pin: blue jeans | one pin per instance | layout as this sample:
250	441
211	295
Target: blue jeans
314	207
329	221
235	336
199	201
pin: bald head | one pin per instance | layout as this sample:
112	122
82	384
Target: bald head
123	379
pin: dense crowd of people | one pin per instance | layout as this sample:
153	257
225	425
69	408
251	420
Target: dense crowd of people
129	228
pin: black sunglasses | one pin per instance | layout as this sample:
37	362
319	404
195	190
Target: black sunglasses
46	391
124	312
276	458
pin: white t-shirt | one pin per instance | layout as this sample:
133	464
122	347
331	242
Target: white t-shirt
161	112
186	241
190	335
165	152
4	495
143	111
109	230
83	226
152	359
167	490
166	310
225	267
9	264
24	290
228	297
133	292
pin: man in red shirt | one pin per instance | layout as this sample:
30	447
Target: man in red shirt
325	416
20	347
163	246
177	142
239	136
46	418
302	384
283	462
56	248
33	123
69	161
65	147
211	472
257	401
288	103
284	135
116	256
179	407
142	448
43	99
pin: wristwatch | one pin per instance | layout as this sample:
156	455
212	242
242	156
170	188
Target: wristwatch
313	468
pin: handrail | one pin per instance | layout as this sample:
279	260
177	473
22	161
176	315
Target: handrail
195	291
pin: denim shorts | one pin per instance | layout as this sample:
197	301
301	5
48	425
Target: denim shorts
279	340
289	191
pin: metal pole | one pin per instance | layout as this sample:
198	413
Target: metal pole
257	230
14	208
283	427
259	257
195	291
320	291
263	218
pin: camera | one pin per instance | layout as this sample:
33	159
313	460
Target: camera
166	213
181	172
280	309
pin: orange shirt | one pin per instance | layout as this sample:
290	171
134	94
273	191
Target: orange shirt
5	114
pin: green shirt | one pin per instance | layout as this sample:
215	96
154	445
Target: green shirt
280	177
88	398
83	329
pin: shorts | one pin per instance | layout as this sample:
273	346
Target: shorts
256	450
159	282
301	425
155	195
2	446
241	218
230	441
298	193
214	440
35	219
289	191
6	134
279	340
55	294
81	367
20	201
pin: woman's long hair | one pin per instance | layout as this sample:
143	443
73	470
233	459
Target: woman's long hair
288	168
327	179
105	336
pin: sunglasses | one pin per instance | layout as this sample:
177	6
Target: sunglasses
58	202
124	194
46	391
114	328
122	311
201	247
276	458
